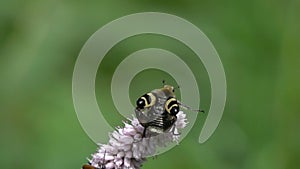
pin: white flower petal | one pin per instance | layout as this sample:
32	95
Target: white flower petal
127	162
120	154
109	165
128	154
126	139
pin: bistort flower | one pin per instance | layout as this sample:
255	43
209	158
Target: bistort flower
127	149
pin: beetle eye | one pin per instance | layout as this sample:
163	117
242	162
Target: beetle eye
141	103
174	110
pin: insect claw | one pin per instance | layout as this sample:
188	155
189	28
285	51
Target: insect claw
176	134
144	132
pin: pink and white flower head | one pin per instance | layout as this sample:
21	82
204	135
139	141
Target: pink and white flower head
127	149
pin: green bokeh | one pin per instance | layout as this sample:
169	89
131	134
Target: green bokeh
258	42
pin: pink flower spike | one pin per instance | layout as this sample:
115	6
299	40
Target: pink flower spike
127	149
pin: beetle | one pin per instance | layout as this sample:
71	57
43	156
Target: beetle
156	110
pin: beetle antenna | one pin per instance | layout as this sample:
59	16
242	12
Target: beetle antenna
189	108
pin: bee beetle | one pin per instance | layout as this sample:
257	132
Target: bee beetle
157	110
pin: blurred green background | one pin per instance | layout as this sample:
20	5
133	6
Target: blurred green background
258	42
